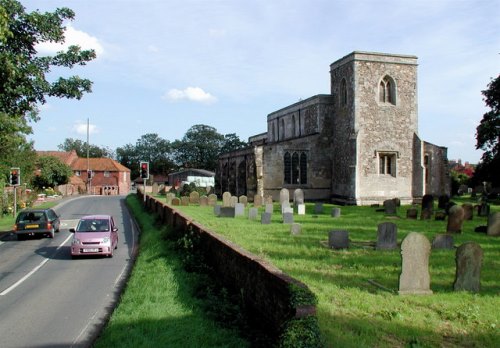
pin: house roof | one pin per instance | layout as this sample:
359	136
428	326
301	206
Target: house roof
202	172
99	165
65	157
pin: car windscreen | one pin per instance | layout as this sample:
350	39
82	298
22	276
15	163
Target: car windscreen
93	225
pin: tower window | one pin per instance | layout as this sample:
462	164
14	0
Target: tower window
387	163
387	91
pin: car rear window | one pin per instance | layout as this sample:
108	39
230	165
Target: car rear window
93	225
32	216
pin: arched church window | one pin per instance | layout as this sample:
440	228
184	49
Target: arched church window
303	168
387	90
343	93
287	168
295	168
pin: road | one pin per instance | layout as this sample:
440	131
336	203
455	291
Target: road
49	300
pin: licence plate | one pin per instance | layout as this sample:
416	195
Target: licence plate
93	250
32	226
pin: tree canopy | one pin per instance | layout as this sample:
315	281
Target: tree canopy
51	172
80	147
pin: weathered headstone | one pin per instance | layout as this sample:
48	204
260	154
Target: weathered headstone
217	209
443	201
469	258
427	207
449	205
184	200
298	197
269	208
493	228
455	219
227	212
176	201
415	277
295	228
338	239
155	189
243	199
233	201
412	213
239	209
169	197
226	199
301	209
318	208
397	202
440	216
252	213
468	211
287	210
265	218
288	218
257	201
335	212
389	207
483	209
387	236
203	201
194	197
268	199
284	206
284	196
442	241
212	199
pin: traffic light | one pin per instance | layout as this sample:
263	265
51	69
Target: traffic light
15	176
144	168
89	174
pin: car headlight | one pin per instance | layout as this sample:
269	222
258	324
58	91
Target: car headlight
76	241
105	240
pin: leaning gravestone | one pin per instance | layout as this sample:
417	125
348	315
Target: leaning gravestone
493	228
252	213
203	201
318	208
257	201
338	239
427	207
288	218
269	208
301	209
194	197
226	199
387	236
239	209
212	199
335	212
217	209
227	212
295	228
412	213
389	207
284	196
415	278
243	199
176	201
185	200
468	211
469	258
298	197
455	219
233	201
442	241
265	218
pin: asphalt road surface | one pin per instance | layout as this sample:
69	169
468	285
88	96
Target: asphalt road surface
49	300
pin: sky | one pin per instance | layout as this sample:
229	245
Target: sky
163	66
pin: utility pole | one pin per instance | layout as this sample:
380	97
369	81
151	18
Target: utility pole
89	176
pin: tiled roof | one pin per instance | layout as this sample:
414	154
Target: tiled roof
65	157
99	165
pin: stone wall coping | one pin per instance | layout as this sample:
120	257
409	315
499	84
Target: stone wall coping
290	109
374	57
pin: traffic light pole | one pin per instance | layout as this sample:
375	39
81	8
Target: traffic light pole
15	201
144	190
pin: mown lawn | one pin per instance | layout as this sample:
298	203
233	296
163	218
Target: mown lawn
352	311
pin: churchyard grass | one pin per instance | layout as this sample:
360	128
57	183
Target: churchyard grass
157	308
358	303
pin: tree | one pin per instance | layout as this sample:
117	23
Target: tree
488	136
232	142
80	147
51	172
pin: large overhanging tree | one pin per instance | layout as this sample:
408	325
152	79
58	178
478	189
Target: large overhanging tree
23	72
488	136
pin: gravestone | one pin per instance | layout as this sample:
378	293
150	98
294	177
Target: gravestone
483	209
269	208
318	208
298	197
442	241
288	218
448	206
493	228
268	199
389	207
243	199
469	258
227	212
397	202
285	206
184	200
203	201
155	189
440	216
233	201
338	239
252	213
169	197
335	212
265	218
284	196
287	210
468	211
415	278
226	199
427	207
387	236
301	209
257	201
295	228
455	219
217	209
443	201
176	201
212	199
412	213
194	197
239	209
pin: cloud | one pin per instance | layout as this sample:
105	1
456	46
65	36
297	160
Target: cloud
72	37
81	128
195	94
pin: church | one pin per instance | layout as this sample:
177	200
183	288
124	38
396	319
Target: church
357	145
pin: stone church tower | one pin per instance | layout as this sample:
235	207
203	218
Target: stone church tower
357	145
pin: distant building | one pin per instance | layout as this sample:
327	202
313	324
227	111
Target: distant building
201	177
357	145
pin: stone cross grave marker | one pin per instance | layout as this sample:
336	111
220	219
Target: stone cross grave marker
226	199
493	228
335	212
295	228
338	239
252	213
387	236
427	207
442	241
415	278
455	219
212	199
469	259
298	197
284	196
265	218
194	197
257	201
239	209
243	199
